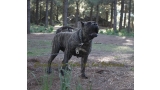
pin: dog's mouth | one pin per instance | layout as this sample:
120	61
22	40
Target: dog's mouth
95	31
93	35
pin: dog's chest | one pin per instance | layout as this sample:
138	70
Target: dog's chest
80	51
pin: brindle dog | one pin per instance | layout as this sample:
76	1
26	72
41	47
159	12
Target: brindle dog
64	29
77	43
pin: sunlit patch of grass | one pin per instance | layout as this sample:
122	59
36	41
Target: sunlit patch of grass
111	47
103	47
123	49
122	32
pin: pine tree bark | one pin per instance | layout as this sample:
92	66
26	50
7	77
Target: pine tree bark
46	17
91	11
115	16
125	17
28	16
107	18
133	25
77	13
97	13
128	29
40	13
112	13
121	15
37	5
57	14
51	13
65	7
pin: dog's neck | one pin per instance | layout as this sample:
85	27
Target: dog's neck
80	35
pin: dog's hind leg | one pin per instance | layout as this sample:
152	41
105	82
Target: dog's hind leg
54	53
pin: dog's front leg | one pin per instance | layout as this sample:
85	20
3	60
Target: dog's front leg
83	65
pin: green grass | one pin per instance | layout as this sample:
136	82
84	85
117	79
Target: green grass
47	80
41	29
38	47
65	80
41	47
123	32
111	47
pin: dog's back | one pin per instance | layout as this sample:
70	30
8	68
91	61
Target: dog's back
64	29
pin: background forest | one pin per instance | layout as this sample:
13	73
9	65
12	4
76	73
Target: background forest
114	14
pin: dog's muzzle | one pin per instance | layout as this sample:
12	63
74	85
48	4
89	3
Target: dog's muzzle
94	35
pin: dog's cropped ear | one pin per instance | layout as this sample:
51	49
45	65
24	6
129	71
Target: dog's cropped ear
82	24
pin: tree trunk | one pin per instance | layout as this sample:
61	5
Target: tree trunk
107	18
128	29
77	14
46	18
132	24
40	13
28	16
121	16
111	13
91	11
51	13
37	5
57	14
125	17
115	16
97	13
65	6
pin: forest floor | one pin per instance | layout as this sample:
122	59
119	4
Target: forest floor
110	64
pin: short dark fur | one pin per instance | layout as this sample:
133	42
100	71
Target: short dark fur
69	41
64	29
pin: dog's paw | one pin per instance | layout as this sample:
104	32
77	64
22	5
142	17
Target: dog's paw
84	76
48	71
62	72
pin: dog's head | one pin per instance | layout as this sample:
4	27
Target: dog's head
90	30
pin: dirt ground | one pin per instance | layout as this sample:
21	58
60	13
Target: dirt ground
106	70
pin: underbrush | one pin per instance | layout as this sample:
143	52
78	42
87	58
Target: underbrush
122	32
41	29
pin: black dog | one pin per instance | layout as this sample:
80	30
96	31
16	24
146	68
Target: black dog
77	43
64	29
